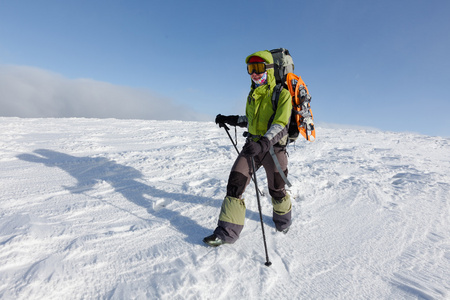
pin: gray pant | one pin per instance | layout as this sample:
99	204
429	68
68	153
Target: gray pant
241	173
232	214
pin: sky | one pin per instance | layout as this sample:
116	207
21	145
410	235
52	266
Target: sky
370	64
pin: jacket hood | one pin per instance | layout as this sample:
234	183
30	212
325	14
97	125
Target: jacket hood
267	56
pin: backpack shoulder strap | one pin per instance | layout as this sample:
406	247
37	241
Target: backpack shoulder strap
276	96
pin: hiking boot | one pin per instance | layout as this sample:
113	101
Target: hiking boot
284	230
213	241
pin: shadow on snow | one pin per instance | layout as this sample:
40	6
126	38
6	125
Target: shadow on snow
88	171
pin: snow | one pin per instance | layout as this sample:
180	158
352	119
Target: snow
117	209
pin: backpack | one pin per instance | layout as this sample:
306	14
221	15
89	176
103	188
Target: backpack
301	121
283	63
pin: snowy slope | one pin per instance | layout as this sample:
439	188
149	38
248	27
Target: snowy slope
117	209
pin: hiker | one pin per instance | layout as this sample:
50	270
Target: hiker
266	128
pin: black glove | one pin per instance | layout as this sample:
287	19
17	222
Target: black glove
231	120
252	148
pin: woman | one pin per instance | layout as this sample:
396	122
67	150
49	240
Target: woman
267	128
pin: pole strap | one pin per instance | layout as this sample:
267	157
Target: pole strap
277	164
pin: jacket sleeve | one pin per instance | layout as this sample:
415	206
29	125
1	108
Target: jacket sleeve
279	126
242	121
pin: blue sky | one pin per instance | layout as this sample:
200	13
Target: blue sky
381	64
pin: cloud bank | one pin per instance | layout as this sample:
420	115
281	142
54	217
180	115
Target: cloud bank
32	92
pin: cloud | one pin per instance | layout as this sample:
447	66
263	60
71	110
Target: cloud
32	92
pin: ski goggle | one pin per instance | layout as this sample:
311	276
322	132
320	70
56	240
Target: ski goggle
258	67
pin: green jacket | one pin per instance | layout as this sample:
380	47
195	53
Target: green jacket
259	107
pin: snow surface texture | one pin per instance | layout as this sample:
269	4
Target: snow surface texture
117	209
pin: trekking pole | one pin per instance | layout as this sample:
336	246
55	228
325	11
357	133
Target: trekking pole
268	263
235	147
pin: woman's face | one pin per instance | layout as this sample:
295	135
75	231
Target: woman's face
256	77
